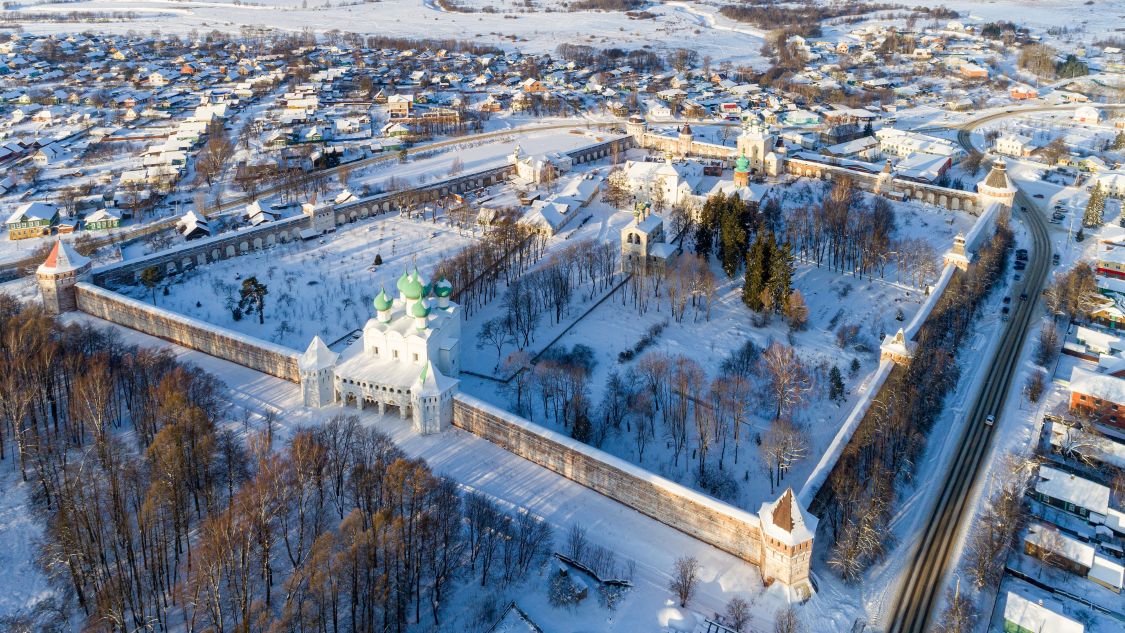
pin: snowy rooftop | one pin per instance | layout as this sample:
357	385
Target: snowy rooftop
1030	616
1107	572
1103	386
1083	493
1051	540
1111	252
786	521
317	356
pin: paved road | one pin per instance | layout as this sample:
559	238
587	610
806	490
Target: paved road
924	580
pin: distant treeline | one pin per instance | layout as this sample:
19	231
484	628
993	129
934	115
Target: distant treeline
805	19
529	7
600	59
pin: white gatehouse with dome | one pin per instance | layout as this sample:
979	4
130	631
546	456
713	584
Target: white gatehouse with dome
407	358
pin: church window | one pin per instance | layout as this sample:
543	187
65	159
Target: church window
395	353
416	357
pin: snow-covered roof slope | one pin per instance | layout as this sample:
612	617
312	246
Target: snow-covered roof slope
62	259
1091	383
1034	617
1083	493
1051	540
786	521
317	356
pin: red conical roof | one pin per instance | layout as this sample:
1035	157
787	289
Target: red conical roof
62	259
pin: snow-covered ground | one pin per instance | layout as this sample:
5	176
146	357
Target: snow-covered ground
514	482
834	300
324	287
675	25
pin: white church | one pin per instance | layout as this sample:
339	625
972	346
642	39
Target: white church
407	358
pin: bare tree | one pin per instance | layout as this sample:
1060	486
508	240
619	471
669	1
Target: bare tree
1035	386
960	614
789	382
787	620
685	579
1048	348
496	333
738	614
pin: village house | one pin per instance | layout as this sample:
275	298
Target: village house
192	226
32	219
1078	496
400	106
1065	552
1087	114
102	219
1026	616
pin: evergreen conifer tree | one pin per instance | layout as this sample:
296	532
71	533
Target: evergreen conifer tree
780	280
835	384
1095	208
757	271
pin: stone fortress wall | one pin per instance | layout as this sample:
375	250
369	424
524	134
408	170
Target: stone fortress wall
725	527
718	524
264	356
804	164
240	242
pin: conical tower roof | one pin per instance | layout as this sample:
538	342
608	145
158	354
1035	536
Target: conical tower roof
62	259
998	176
317	356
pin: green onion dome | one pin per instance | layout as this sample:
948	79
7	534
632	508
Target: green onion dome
382	301
443	288
402	281
742	164
412	289
419	310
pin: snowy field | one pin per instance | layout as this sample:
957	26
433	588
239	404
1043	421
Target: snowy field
324	287
676	24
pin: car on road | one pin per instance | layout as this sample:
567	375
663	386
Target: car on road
1019	277
1023	208
1038	195
990	420
1023	296
1055	259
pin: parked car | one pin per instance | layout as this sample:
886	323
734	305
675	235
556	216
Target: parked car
1055	259
990	420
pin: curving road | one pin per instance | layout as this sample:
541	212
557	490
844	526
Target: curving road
922	583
